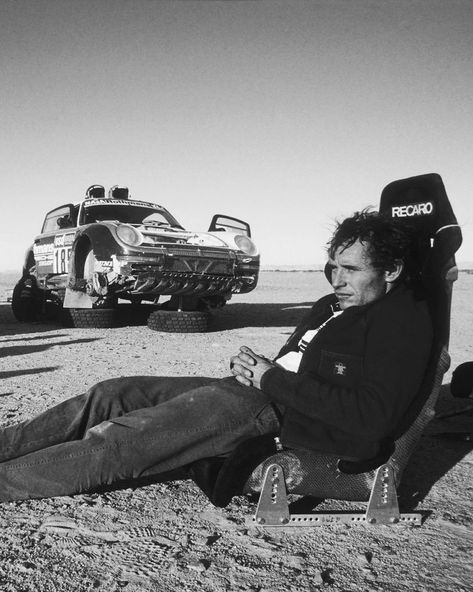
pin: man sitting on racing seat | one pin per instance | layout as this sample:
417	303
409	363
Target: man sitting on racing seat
339	385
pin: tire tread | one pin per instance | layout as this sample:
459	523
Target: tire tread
172	321
92	318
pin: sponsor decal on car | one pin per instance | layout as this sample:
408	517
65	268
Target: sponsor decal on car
121	202
54	254
64	240
61	259
43	254
43	249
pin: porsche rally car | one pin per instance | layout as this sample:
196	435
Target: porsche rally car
105	248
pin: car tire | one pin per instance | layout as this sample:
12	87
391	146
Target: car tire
25	303
179	321
91	318
132	315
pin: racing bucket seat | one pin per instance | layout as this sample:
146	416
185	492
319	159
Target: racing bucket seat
261	466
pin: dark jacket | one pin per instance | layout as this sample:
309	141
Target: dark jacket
357	376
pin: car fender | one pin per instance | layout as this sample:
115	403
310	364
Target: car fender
228	238
100	238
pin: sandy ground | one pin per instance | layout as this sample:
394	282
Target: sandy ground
168	536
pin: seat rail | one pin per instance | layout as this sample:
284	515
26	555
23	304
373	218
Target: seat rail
382	508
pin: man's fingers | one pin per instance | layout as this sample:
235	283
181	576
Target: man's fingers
246	351
238	369
242	374
247	356
243	380
241	360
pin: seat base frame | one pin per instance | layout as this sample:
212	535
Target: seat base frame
382	508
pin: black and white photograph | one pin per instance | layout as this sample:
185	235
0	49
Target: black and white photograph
236	268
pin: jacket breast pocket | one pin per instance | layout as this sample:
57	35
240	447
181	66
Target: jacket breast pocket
341	369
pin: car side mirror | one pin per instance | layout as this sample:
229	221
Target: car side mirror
228	224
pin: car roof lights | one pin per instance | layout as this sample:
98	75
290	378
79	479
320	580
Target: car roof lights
117	192
95	191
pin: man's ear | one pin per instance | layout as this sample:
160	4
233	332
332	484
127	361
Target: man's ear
393	274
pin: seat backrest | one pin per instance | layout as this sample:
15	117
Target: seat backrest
422	201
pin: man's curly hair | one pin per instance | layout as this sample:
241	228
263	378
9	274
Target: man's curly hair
388	240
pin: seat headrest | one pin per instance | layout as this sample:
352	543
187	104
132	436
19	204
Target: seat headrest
421	200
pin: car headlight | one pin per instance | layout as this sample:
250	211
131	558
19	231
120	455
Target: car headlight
129	235
245	244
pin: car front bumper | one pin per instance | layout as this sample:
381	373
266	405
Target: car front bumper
185	272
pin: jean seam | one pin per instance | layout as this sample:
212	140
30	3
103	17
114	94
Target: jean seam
109	447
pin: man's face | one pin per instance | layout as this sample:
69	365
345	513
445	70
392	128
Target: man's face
355	281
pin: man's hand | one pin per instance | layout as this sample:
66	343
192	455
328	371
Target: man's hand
248	368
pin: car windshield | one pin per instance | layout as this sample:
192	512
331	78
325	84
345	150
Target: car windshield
128	214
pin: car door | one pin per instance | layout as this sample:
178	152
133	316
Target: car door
52	248
229	224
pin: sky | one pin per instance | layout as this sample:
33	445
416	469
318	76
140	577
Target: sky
288	114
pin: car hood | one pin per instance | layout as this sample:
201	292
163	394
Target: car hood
158	235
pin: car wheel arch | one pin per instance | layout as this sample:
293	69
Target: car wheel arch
97	238
82	248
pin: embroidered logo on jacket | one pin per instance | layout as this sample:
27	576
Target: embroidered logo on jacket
340	369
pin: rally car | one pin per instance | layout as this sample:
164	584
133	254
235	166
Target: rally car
108	248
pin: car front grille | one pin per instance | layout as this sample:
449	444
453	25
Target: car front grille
181	283
173	247
182	271
201	252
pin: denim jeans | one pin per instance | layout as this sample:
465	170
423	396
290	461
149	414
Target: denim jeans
127	428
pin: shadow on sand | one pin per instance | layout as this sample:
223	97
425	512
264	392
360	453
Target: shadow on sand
232	316
26	372
20	350
36	338
435	454
238	316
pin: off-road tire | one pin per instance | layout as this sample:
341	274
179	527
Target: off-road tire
133	315
26	300
92	318
179	321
